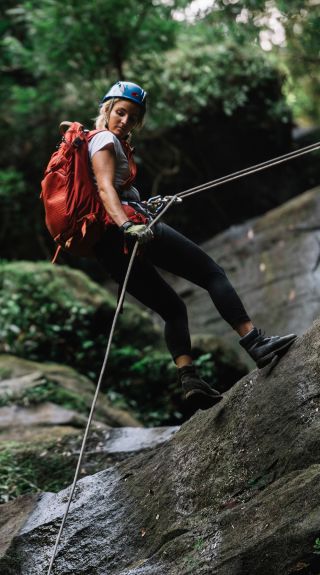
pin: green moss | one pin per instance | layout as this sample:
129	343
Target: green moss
47	391
11	563
57	314
24	470
5	373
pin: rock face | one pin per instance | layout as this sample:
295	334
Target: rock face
273	262
235	492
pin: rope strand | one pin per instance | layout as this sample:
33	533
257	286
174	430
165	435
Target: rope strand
102	372
121	298
250	170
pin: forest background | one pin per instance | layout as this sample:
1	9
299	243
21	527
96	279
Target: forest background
230	83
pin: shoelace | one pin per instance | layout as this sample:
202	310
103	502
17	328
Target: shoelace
261	337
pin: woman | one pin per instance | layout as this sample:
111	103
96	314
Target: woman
122	110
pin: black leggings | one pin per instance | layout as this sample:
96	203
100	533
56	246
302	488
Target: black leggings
173	252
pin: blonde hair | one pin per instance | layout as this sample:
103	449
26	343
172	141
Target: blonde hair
102	120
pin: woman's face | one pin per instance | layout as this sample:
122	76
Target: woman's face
124	116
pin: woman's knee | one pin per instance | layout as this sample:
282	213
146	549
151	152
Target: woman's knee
175	309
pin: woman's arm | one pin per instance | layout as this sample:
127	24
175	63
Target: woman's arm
104	166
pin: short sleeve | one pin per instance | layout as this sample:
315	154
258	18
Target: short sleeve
100	141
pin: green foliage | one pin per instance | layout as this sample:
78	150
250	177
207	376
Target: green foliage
197	75
43	317
16	200
316	546
42	86
215	59
25	470
296	48
34	325
193	64
147	382
14	480
12	193
205	363
57	28
302	58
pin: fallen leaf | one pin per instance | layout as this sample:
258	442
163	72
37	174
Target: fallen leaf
292	295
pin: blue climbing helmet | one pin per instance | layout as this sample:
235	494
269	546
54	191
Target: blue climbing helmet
128	91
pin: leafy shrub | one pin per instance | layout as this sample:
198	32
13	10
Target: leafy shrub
56	314
316	546
16	200
148	381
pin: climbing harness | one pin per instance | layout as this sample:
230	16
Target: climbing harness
158	205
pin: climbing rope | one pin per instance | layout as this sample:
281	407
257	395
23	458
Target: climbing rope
250	170
102	372
167	202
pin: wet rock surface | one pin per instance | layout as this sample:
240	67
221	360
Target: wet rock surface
235	491
133	439
105	447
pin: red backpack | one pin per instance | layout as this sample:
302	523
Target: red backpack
75	215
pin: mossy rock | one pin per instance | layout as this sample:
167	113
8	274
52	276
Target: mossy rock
46	462
43	413
54	313
31	468
28	384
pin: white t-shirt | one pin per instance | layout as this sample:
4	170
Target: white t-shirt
122	172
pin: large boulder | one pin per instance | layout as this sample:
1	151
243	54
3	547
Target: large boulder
273	262
235	492
28	386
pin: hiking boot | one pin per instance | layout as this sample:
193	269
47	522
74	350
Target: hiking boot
197	393
265	350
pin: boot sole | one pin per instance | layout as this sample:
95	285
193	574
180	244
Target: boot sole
275	355
199	400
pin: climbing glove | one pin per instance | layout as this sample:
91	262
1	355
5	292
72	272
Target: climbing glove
138	232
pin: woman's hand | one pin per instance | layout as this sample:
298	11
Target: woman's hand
139	232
